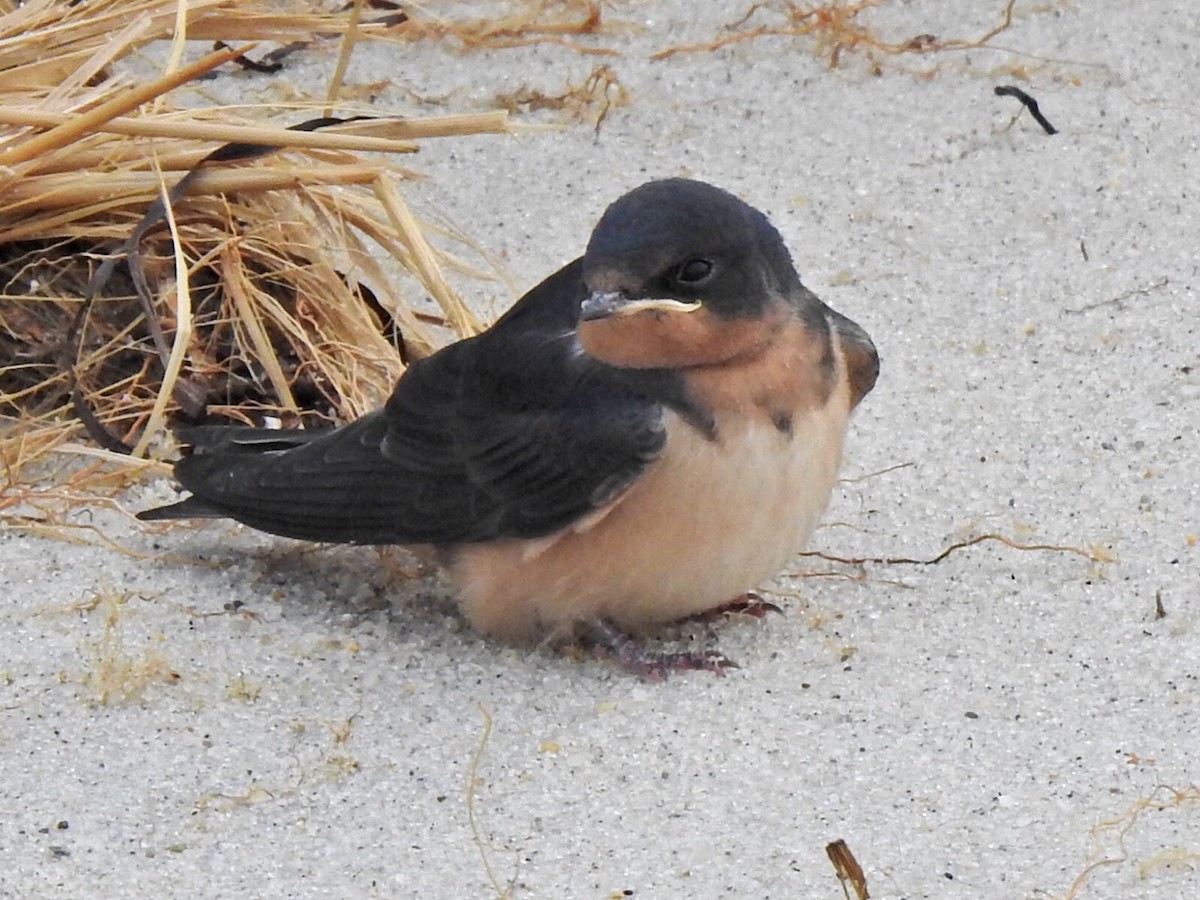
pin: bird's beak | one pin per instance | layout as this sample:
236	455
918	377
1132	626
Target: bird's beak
603	304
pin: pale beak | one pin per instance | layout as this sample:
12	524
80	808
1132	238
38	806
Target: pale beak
602	304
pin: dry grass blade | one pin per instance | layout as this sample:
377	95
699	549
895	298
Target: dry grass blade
348	41
424	260
230	132
263	258
849	872
183	338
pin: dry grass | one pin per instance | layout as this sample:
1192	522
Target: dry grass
835	29
161	263
1110	836
590	100
520	25
114	672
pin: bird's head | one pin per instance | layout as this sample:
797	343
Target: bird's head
680	273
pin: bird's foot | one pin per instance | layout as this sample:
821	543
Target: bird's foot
610	642
748	604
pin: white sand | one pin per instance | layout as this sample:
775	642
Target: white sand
964	727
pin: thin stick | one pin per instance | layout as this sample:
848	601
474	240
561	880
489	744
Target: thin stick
960	545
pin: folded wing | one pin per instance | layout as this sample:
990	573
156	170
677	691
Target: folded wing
515	433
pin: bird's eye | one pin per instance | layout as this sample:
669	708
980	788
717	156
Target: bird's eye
694	271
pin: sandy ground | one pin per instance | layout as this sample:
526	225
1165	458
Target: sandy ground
988	726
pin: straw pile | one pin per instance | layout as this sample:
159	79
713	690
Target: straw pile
162	263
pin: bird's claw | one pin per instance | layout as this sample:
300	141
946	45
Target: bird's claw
748	604
610	642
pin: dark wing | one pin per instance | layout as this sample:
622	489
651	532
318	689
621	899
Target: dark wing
862	360
514	433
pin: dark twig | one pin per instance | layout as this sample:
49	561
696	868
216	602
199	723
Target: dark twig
961	545
1008	90
1121	298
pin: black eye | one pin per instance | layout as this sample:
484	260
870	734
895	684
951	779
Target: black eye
693	271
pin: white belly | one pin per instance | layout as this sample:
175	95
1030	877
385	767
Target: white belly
707	522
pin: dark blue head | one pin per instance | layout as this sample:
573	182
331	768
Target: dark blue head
687	241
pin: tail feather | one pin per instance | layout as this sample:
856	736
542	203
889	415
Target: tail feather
323	485
191	508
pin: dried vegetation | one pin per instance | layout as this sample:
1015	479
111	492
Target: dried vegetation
163	260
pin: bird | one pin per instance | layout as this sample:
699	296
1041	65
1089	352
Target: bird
644	437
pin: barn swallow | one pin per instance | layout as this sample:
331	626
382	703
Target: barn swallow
646	435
